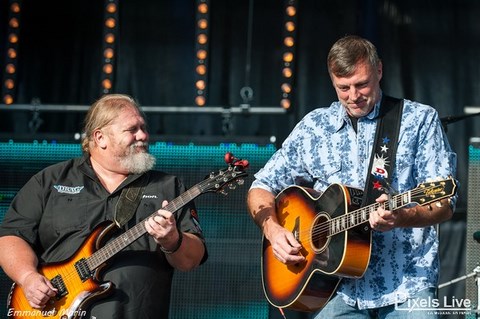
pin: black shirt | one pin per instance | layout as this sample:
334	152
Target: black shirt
59	207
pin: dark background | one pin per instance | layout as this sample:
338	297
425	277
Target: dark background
430	51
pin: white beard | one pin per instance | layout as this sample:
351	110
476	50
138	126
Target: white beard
137	163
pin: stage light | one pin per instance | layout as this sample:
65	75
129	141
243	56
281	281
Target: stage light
13	23
9	74
108	68
107	84
110	38
285	103
200	84
201	54
287	72
108	53
201	69
10	69
201	51
9	84
202	24
12	38
110	23
111	7
12	53
202	38
200	100
15	7
288	55
110	32
203	7
291	11
8	99
290	26
286	88
288	42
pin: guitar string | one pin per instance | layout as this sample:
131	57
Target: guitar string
323	230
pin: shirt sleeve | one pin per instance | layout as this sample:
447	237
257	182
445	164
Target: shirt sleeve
25	212
286	167
432	156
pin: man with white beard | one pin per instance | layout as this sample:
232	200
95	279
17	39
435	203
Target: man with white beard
51	219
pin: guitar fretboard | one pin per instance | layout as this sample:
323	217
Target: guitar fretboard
116	245
347	221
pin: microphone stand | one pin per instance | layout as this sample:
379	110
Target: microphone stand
452	119
476	273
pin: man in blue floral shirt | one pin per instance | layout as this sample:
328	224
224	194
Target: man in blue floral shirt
334	145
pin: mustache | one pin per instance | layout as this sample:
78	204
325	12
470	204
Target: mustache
139	144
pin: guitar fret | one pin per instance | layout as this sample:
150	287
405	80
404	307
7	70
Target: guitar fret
406	197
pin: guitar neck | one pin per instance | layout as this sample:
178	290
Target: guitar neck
116	245
424	194
357	217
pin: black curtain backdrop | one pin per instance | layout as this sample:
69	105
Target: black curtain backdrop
430	51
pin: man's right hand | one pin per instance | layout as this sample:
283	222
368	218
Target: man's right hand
37	289
284	245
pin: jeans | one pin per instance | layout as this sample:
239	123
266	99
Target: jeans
337	308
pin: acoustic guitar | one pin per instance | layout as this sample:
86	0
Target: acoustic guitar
77	278
335	237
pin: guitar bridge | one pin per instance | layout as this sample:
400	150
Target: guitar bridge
295	231
82	269
58	283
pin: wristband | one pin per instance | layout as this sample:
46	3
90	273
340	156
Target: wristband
179	243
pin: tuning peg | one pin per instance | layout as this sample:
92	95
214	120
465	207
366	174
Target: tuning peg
229	158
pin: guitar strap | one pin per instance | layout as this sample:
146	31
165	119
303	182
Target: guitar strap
129	200
384	150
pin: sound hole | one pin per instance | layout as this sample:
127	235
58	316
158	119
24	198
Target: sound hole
320	232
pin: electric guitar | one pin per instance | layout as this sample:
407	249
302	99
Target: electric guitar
77	278
335	237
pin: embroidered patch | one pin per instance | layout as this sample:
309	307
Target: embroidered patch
380	161
68	189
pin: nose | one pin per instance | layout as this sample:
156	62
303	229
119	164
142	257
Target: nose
141	135
353	94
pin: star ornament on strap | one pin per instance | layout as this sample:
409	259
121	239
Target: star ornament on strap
377	185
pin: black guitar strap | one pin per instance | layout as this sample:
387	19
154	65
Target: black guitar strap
129	200
384	150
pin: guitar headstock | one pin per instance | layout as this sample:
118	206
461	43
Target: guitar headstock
229	177
434	191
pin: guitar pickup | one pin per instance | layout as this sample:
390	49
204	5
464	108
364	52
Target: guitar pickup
82	269
58	283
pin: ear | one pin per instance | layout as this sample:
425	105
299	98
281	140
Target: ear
99	137
379	70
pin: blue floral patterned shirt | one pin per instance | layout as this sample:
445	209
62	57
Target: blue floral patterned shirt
324	148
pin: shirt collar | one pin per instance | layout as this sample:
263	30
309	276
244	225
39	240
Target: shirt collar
342	118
